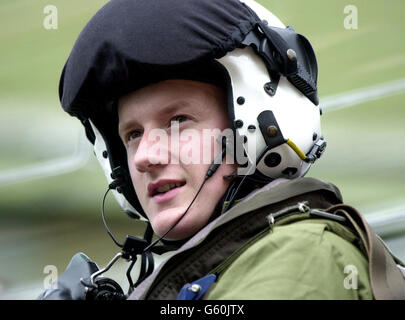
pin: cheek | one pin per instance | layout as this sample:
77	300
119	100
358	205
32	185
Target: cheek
213	190
137	182
136	179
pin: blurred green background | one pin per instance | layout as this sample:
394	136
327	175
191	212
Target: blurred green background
51	186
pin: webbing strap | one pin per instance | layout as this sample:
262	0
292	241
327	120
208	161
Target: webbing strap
387	281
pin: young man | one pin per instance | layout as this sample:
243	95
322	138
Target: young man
204	116
197	108
283	265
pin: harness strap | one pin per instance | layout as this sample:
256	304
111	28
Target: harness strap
387	280
387	272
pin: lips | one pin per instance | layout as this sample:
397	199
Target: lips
163	186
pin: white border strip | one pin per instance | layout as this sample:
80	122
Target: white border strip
354	97
49	168
387	221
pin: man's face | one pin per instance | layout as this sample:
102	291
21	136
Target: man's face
164	127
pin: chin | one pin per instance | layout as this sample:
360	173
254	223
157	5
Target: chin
164	220
184	229
175	234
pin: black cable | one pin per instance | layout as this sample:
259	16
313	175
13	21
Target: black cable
151	264
178	220
261	155
147	257
212	169
105	224
131	284
210	172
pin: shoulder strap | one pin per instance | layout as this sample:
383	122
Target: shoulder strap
387	280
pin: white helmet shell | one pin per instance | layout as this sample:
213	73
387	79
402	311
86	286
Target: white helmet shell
297	117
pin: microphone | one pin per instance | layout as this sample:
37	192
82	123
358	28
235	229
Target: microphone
215	165
217	161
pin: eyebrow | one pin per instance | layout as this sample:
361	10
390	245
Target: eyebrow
168	109
177	105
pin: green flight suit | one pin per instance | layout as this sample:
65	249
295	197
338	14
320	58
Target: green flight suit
298	257
308	259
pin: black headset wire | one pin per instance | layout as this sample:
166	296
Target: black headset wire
104	222
235	192
146	253
209	174
147	258
212	169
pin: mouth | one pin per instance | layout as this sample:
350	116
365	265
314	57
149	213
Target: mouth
163	187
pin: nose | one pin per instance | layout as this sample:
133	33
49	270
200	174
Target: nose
152	151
